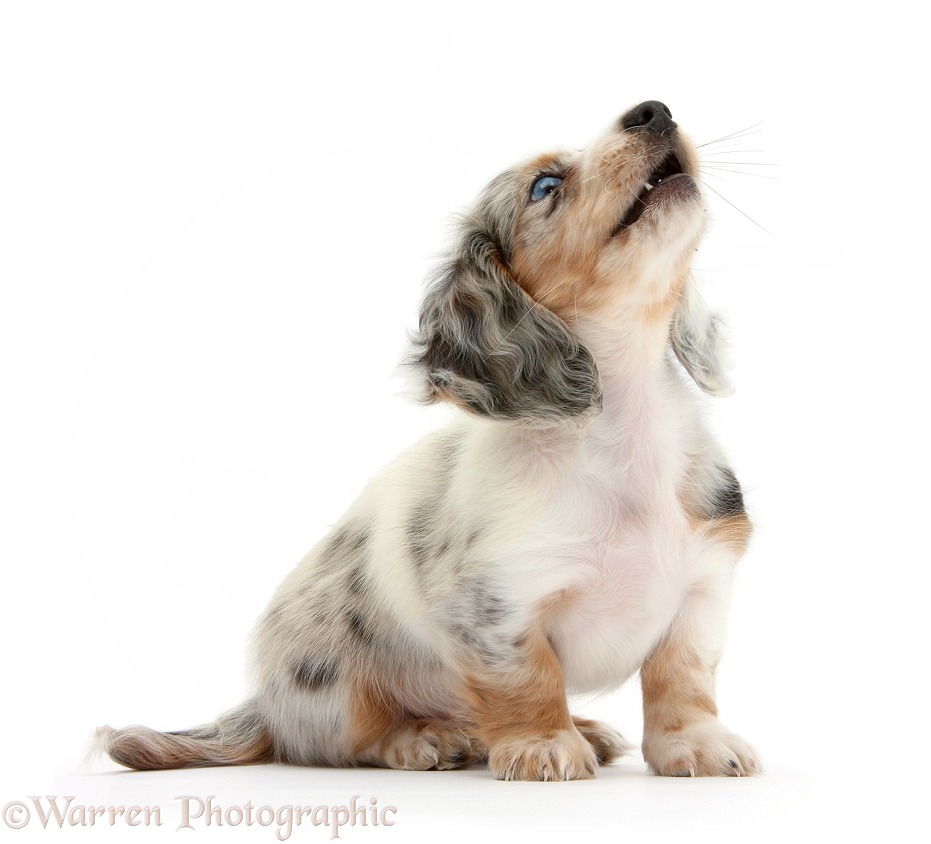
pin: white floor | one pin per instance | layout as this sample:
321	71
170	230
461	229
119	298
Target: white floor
786	805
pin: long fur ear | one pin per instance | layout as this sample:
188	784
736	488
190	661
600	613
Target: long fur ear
486	346
698	340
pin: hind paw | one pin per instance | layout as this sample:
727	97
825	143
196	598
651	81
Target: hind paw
427	746
607	743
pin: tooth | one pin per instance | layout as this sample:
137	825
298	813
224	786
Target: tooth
648	186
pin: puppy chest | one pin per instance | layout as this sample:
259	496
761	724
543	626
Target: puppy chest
605	628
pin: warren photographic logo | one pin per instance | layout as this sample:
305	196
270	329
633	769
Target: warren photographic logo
55	812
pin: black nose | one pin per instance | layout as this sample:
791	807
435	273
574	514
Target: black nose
652	115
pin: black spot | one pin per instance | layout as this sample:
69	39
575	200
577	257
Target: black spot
315	673
474	536
727	499
464	634
357	580
359	628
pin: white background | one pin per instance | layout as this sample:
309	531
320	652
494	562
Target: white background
215	221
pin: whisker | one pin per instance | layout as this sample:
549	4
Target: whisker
735	207
617	166
738	133
737	173
730	151
731	143
749	163
726	143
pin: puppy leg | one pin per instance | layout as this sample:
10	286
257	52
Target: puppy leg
517	702
682	734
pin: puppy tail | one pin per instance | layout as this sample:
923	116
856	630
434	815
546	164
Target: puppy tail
237	738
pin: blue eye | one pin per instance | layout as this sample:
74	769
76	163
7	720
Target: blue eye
544	186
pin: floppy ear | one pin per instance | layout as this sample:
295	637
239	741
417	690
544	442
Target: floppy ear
697	338
486	346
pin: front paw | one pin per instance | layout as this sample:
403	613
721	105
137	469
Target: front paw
699	750
564	756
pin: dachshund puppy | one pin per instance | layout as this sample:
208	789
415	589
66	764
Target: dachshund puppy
576	523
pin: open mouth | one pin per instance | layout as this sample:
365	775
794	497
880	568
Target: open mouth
667	170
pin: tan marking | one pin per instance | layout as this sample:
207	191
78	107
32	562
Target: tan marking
529	702
521	715
558	256
678	688
374	715
733	531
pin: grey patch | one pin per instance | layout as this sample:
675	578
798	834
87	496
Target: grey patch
478	619
209	732
487	607
474	536
475	643
357	580
484	344
337	544
359	628
347	540
316	673
698	340
360	539
463	633
727	498
418	531
273	616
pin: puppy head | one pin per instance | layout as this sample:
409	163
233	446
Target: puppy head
606	234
